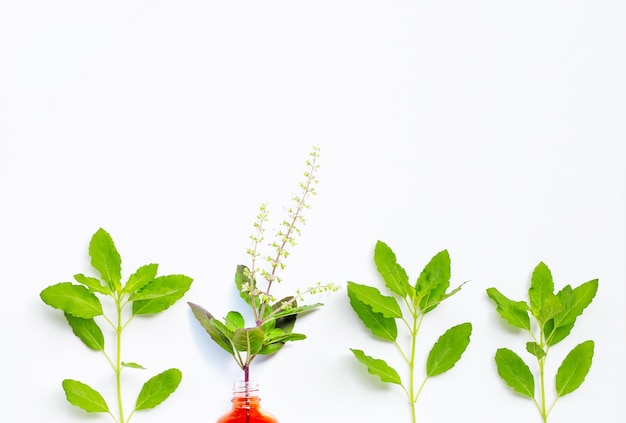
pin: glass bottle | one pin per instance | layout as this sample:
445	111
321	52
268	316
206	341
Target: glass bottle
247	405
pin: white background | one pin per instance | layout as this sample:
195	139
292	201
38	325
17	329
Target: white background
494	129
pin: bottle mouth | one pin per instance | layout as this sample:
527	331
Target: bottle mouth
243	389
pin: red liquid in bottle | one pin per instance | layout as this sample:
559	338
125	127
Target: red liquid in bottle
247	406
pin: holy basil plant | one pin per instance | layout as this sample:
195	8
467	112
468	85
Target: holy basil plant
273	319
548	318
144	293
404	310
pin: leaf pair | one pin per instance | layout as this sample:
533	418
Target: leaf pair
156	390
554	316
443	356
570	375
80	302
431	285
407	305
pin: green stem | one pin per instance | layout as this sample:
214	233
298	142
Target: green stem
542	362
417	322
543	390
118	361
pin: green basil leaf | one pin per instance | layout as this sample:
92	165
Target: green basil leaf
515	372
160	294
575	301
72	299
382	327
555	335
105	259
448	349
132	365
207	320
385	305
88	331
393	274
550	307
574	368
378	367
271	348
234	320
287	322
144	275
249	340
94	285
158	388
85	397
541	288
284	337
275	341
433	282
454	291
245	285
514	312
535	349
292	311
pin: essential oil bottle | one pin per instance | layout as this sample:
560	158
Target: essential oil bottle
247	405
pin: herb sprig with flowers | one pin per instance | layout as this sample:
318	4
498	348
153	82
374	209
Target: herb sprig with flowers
274	320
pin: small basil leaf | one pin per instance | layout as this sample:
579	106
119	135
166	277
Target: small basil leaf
84	396
378	367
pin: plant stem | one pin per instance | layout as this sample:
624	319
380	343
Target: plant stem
412	369
544	414
118	360
542	364
413	396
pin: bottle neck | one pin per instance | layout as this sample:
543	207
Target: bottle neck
246	394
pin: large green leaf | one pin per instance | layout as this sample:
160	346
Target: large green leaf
433	282
385	305
278	335
573	302
72	299
249	340
541	288
207	321
144	275
393	274
574	368
88	331
158	388
275	340
160	294
514	312
105	259
84	396
378	367
382	327
515	372
448	349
